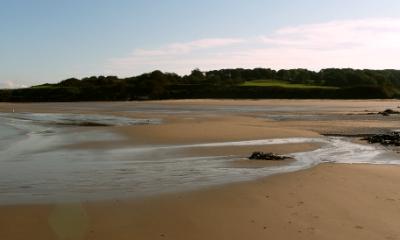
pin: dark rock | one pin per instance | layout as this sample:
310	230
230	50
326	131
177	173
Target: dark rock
267	156
83	124
389	112
390	139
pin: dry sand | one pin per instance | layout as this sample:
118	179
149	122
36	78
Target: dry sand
231	128
330	201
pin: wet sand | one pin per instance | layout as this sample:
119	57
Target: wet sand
330	201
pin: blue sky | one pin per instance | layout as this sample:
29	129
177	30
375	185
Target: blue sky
50	40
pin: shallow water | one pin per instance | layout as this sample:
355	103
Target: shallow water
73	119
34	167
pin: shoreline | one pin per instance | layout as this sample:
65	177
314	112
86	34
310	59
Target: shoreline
208	188
328	201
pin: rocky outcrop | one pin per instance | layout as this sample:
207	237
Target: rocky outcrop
391	139
267	156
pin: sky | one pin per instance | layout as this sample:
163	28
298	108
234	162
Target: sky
51	40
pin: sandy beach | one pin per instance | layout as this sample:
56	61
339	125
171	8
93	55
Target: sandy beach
328	201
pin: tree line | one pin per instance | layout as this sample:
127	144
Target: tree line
224	83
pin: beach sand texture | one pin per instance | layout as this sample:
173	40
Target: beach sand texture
328	201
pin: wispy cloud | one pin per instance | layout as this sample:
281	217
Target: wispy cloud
365	43
181	48
338	35
184	48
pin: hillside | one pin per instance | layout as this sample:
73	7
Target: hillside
225	83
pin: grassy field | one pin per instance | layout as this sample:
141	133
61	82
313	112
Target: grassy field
280	83
43	86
